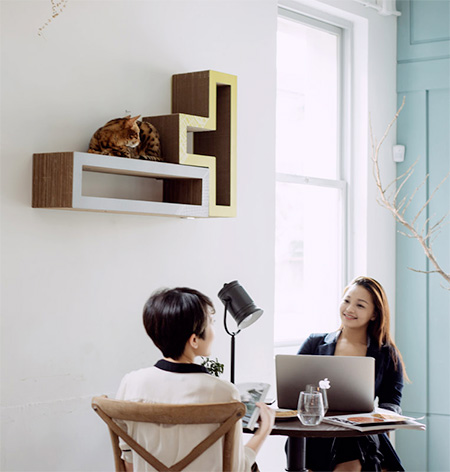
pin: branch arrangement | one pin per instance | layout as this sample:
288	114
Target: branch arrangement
57	8
425	233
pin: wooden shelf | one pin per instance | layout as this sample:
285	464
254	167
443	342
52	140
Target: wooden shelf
200	183
58	184
204	103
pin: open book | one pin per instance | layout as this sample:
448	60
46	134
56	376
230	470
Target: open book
252	393
378	419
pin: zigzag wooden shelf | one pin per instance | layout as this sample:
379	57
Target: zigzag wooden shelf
58	184
204	103
198	183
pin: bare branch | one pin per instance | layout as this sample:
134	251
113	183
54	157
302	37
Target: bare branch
57	8
431	196
414	194
405	174
403	183
410	236
435	236
441	222
398	210
390	126
400	206
424	271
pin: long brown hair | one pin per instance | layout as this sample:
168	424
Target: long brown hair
379	328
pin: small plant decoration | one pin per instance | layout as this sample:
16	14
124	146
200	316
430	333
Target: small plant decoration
57	8
214	367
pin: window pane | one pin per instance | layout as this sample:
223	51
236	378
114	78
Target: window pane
307	101
307	260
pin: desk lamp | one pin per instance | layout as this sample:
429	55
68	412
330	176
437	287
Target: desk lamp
242	309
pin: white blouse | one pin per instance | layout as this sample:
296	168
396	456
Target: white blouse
168	382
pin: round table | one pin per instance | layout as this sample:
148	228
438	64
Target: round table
293	428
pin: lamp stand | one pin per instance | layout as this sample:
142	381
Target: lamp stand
233	342
233	349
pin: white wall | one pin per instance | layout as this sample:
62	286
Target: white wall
73	284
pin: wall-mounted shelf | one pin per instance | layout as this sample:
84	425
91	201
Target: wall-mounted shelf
58	183
198	183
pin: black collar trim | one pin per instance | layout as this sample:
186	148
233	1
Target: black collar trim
181	368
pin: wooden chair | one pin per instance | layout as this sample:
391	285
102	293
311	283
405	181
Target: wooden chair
224	414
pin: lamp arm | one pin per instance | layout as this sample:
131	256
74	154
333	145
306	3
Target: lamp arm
225	321
232	354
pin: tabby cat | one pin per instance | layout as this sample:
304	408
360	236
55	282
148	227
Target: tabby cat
127	137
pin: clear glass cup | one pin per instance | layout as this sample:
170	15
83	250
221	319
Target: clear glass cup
310	408
314	388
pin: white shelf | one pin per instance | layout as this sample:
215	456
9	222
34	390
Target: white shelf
58	184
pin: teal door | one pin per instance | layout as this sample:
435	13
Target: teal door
422	303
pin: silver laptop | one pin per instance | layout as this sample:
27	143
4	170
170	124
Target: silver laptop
352	380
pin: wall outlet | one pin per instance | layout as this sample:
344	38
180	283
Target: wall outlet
398	153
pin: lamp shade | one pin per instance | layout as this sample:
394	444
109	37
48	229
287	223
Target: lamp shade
239	304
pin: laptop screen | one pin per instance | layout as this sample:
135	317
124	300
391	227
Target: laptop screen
352	380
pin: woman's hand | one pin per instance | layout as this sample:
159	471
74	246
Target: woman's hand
266	419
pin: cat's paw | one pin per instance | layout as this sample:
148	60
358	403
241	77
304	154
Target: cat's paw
151	158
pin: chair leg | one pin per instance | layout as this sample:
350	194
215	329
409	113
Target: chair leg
119	463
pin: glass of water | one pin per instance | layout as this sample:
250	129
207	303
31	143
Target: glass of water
310	408
314	388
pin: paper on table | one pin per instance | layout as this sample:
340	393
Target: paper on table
376	420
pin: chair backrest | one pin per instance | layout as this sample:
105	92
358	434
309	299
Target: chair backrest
223	414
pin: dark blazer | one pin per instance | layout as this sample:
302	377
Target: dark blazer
376	451
388	378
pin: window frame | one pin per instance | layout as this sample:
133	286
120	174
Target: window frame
342	182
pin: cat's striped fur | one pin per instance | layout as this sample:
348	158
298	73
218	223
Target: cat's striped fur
127	137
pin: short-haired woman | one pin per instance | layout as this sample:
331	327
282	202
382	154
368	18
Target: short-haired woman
179	322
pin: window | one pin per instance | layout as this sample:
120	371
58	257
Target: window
311	214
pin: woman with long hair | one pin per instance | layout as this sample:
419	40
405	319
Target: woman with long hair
364	331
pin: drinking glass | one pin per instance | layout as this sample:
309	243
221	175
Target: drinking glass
314	388
310	408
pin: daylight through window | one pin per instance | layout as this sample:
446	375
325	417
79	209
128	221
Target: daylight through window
310	192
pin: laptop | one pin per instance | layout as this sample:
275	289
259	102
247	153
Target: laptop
352	380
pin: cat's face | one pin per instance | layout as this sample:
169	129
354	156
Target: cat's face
131	138
131	132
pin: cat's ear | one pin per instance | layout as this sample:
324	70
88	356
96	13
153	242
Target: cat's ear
132	121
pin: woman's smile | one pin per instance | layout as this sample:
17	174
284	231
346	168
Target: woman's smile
357	307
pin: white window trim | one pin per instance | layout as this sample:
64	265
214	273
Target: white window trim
383	7
344	29
354	118
344	97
